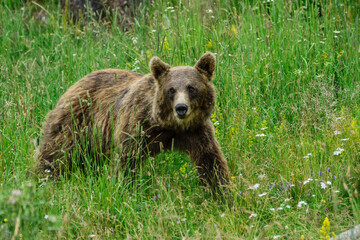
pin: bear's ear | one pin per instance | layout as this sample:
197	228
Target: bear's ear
158	67
206	64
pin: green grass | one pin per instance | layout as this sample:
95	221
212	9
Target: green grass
282	71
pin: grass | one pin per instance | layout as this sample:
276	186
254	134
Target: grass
287	118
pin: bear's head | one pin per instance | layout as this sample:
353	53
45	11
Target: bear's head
184	96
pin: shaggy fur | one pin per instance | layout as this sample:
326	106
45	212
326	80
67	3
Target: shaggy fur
137	115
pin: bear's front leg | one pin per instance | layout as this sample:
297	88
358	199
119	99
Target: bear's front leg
205	152
212	167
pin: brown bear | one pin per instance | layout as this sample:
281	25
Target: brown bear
137	116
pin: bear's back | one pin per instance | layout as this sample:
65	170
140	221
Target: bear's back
101	85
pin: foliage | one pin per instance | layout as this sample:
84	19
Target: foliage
287	119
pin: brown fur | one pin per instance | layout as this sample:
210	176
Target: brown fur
135	114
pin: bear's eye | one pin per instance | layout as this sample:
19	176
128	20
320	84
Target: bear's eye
172	91
191	89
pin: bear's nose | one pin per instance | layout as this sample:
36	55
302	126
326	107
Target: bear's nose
181	110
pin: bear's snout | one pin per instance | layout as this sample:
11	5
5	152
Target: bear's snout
181	110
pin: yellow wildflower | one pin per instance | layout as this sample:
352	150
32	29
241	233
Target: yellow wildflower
5	220
149	54
334	236
233	177
209	45
165	44
183	168
233	29
324	56
340	53
325	229
323	201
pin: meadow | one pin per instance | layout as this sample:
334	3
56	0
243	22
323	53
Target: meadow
287	118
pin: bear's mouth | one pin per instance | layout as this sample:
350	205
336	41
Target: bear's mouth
181	116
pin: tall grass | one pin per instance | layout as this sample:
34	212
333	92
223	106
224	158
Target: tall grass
287	118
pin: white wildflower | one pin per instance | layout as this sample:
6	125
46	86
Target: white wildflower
286	200
336	132
280	208
323	185
134	40
308	180
222	215
277	236
336	31
12	200
16	192
328	183
338	151
209	11
262	194
262	176
344	139
253	215
260	135
272	209
254	187
288	206
301	203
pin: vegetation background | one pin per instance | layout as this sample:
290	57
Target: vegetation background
287	117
